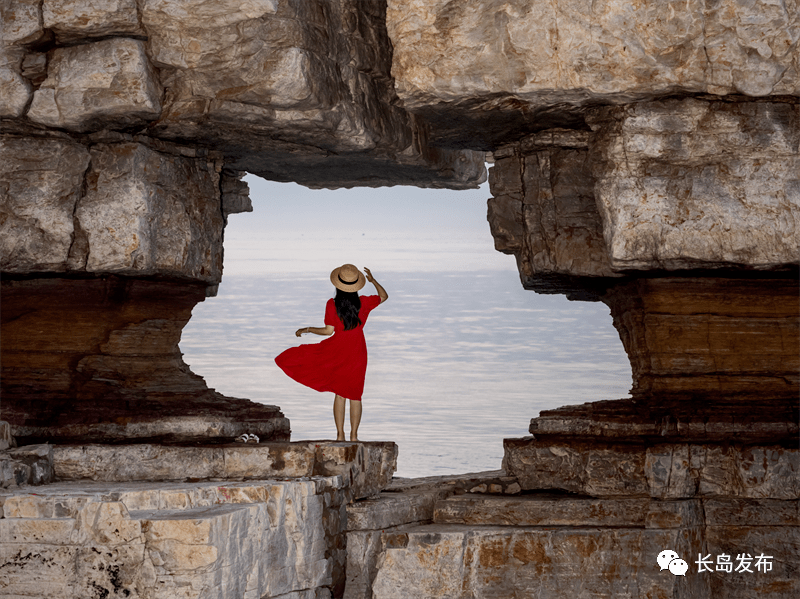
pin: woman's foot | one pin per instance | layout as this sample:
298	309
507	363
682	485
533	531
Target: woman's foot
340	437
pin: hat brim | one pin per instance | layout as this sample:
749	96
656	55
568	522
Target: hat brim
337	282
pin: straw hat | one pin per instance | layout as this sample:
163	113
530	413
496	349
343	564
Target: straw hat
348	278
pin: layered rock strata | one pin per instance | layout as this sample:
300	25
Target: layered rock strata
680	215
646	155
734	475
264	520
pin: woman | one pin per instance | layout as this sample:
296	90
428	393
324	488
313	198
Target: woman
338	364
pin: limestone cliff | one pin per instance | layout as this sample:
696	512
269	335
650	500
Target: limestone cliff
646	154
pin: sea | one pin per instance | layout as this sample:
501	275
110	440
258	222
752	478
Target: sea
458	361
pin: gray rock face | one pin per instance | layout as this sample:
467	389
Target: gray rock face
93	86
27	465
543	211
21	21
527	63
15	90
134	211
40	184
81	19
366	467
667	471
695	184
668	185
150	213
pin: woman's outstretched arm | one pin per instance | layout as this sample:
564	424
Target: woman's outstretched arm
327	330
381	291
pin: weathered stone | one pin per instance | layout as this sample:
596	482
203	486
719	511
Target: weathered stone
455	483
149	213
364	548
731	339
457	561
235	193
134	211
121	463
543	211
73	20
762	536
20	21
108	83
660	419
308	81
15	91
261	539
13	472
40	460
540	510
366	466
392	509
477	70
6	438
698	184
40	184
668	471
34	67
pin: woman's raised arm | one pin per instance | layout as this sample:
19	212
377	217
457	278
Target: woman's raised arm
381	291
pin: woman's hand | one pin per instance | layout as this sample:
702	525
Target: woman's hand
381	291
299	332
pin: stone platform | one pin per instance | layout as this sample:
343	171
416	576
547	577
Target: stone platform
584	507
233	521
563	545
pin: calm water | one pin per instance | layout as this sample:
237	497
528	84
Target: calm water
457	361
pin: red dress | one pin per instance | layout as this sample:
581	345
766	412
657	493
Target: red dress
338	363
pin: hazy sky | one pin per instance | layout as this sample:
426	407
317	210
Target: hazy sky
388	229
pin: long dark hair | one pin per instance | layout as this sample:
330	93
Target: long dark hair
348	305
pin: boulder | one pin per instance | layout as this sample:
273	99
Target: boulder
93	86
696	184
15	90
149	213
75	20
40	184
20	22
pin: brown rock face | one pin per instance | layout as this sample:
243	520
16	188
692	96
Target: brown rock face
710	337
98	360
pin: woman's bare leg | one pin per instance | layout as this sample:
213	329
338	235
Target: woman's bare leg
338	416
355	419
